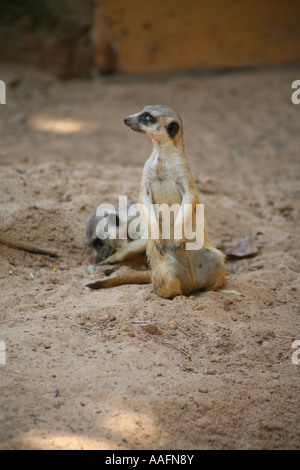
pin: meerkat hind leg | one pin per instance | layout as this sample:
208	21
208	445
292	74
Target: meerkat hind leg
211	269
166	278
164	283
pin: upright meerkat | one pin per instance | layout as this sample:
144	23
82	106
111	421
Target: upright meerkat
167	179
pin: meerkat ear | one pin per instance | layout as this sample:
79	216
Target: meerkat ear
172	128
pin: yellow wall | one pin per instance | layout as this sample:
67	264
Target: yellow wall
134	36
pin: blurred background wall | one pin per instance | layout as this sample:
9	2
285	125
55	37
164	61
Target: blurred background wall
54	35
78	38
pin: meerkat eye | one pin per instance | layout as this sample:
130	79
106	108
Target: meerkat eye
147	118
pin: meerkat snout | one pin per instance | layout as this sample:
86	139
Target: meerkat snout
132	122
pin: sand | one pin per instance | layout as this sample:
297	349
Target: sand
122	368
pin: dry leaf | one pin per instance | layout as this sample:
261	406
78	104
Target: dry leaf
244	249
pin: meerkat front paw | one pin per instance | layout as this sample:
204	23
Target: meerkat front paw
110	260
178	244
160	246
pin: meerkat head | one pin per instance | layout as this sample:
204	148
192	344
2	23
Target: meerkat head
160	123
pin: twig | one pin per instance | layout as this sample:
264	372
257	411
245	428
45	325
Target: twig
288	191
181	329
141	321
172	346
83	327
40	220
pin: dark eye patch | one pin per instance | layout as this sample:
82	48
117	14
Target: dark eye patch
172	128
146	118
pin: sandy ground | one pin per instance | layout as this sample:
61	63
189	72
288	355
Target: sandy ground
123	368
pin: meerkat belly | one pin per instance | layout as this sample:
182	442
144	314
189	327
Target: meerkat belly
165	192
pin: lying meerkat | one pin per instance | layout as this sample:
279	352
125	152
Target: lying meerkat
104	247
167	179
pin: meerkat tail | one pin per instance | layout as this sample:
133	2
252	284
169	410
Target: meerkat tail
130	278
6	240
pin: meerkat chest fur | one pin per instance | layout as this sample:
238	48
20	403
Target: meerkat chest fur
163	177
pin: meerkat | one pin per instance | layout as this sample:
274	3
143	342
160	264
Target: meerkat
102	246
8	241
167	179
